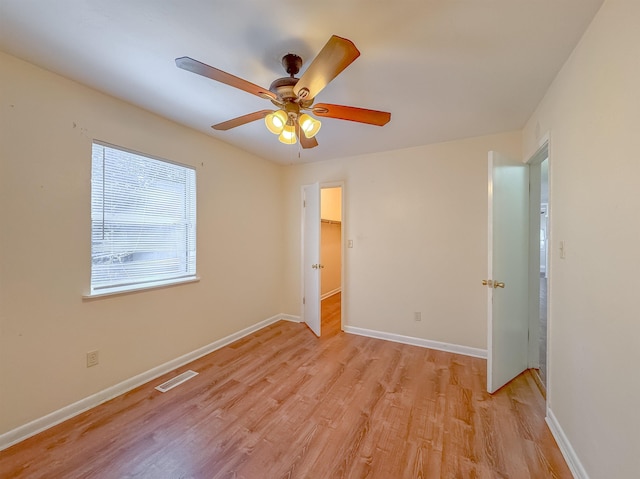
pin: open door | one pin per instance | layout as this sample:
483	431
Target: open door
311	256
507	281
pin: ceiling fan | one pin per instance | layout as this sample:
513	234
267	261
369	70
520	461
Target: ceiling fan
295	96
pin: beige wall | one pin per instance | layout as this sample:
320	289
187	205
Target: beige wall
331	204
330	256
592	113
331	239
48	123
418	220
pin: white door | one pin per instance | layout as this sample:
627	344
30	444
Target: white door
311	256
507	288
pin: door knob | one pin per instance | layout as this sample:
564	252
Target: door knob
317	266
487	282
498	284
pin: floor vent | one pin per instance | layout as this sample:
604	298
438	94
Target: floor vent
179	379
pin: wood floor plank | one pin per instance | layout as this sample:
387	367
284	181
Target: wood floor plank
282	403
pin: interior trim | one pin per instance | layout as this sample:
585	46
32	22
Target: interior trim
67	412
424	343
330	293
576	467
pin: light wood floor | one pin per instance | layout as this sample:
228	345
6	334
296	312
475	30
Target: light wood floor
282	403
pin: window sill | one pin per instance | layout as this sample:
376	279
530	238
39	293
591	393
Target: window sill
137	288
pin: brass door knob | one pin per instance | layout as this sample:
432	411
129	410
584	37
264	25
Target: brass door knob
498	284
487	282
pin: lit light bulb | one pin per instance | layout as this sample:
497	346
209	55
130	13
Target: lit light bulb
276	121
309	125
288	135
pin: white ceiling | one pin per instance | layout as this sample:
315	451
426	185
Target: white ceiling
445	69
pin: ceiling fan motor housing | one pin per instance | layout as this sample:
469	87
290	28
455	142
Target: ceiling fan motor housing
283	87
291	63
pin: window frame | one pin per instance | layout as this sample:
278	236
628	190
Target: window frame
121	288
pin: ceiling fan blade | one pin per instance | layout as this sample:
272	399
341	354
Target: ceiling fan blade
241	120
308	142
337	54
205	70
351	113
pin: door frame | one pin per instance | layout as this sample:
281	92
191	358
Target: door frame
534	161
304	271
338	184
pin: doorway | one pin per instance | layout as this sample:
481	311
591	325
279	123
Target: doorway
544	265
520	206
539	235
331	242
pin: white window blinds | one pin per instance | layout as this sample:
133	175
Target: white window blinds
143	220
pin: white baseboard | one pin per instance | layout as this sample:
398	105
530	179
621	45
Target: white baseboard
38	425
425	343
330	293
576	467
290	317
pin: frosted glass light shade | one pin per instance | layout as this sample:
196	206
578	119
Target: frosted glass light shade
276	121
288	135
309	125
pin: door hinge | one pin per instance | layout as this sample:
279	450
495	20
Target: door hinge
303	301
304	203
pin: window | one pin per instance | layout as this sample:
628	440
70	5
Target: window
143	221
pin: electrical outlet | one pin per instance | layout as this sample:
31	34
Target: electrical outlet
417	316
92	358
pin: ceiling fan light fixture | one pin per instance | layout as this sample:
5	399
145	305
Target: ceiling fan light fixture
309	125
288	135
276	121
292	95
